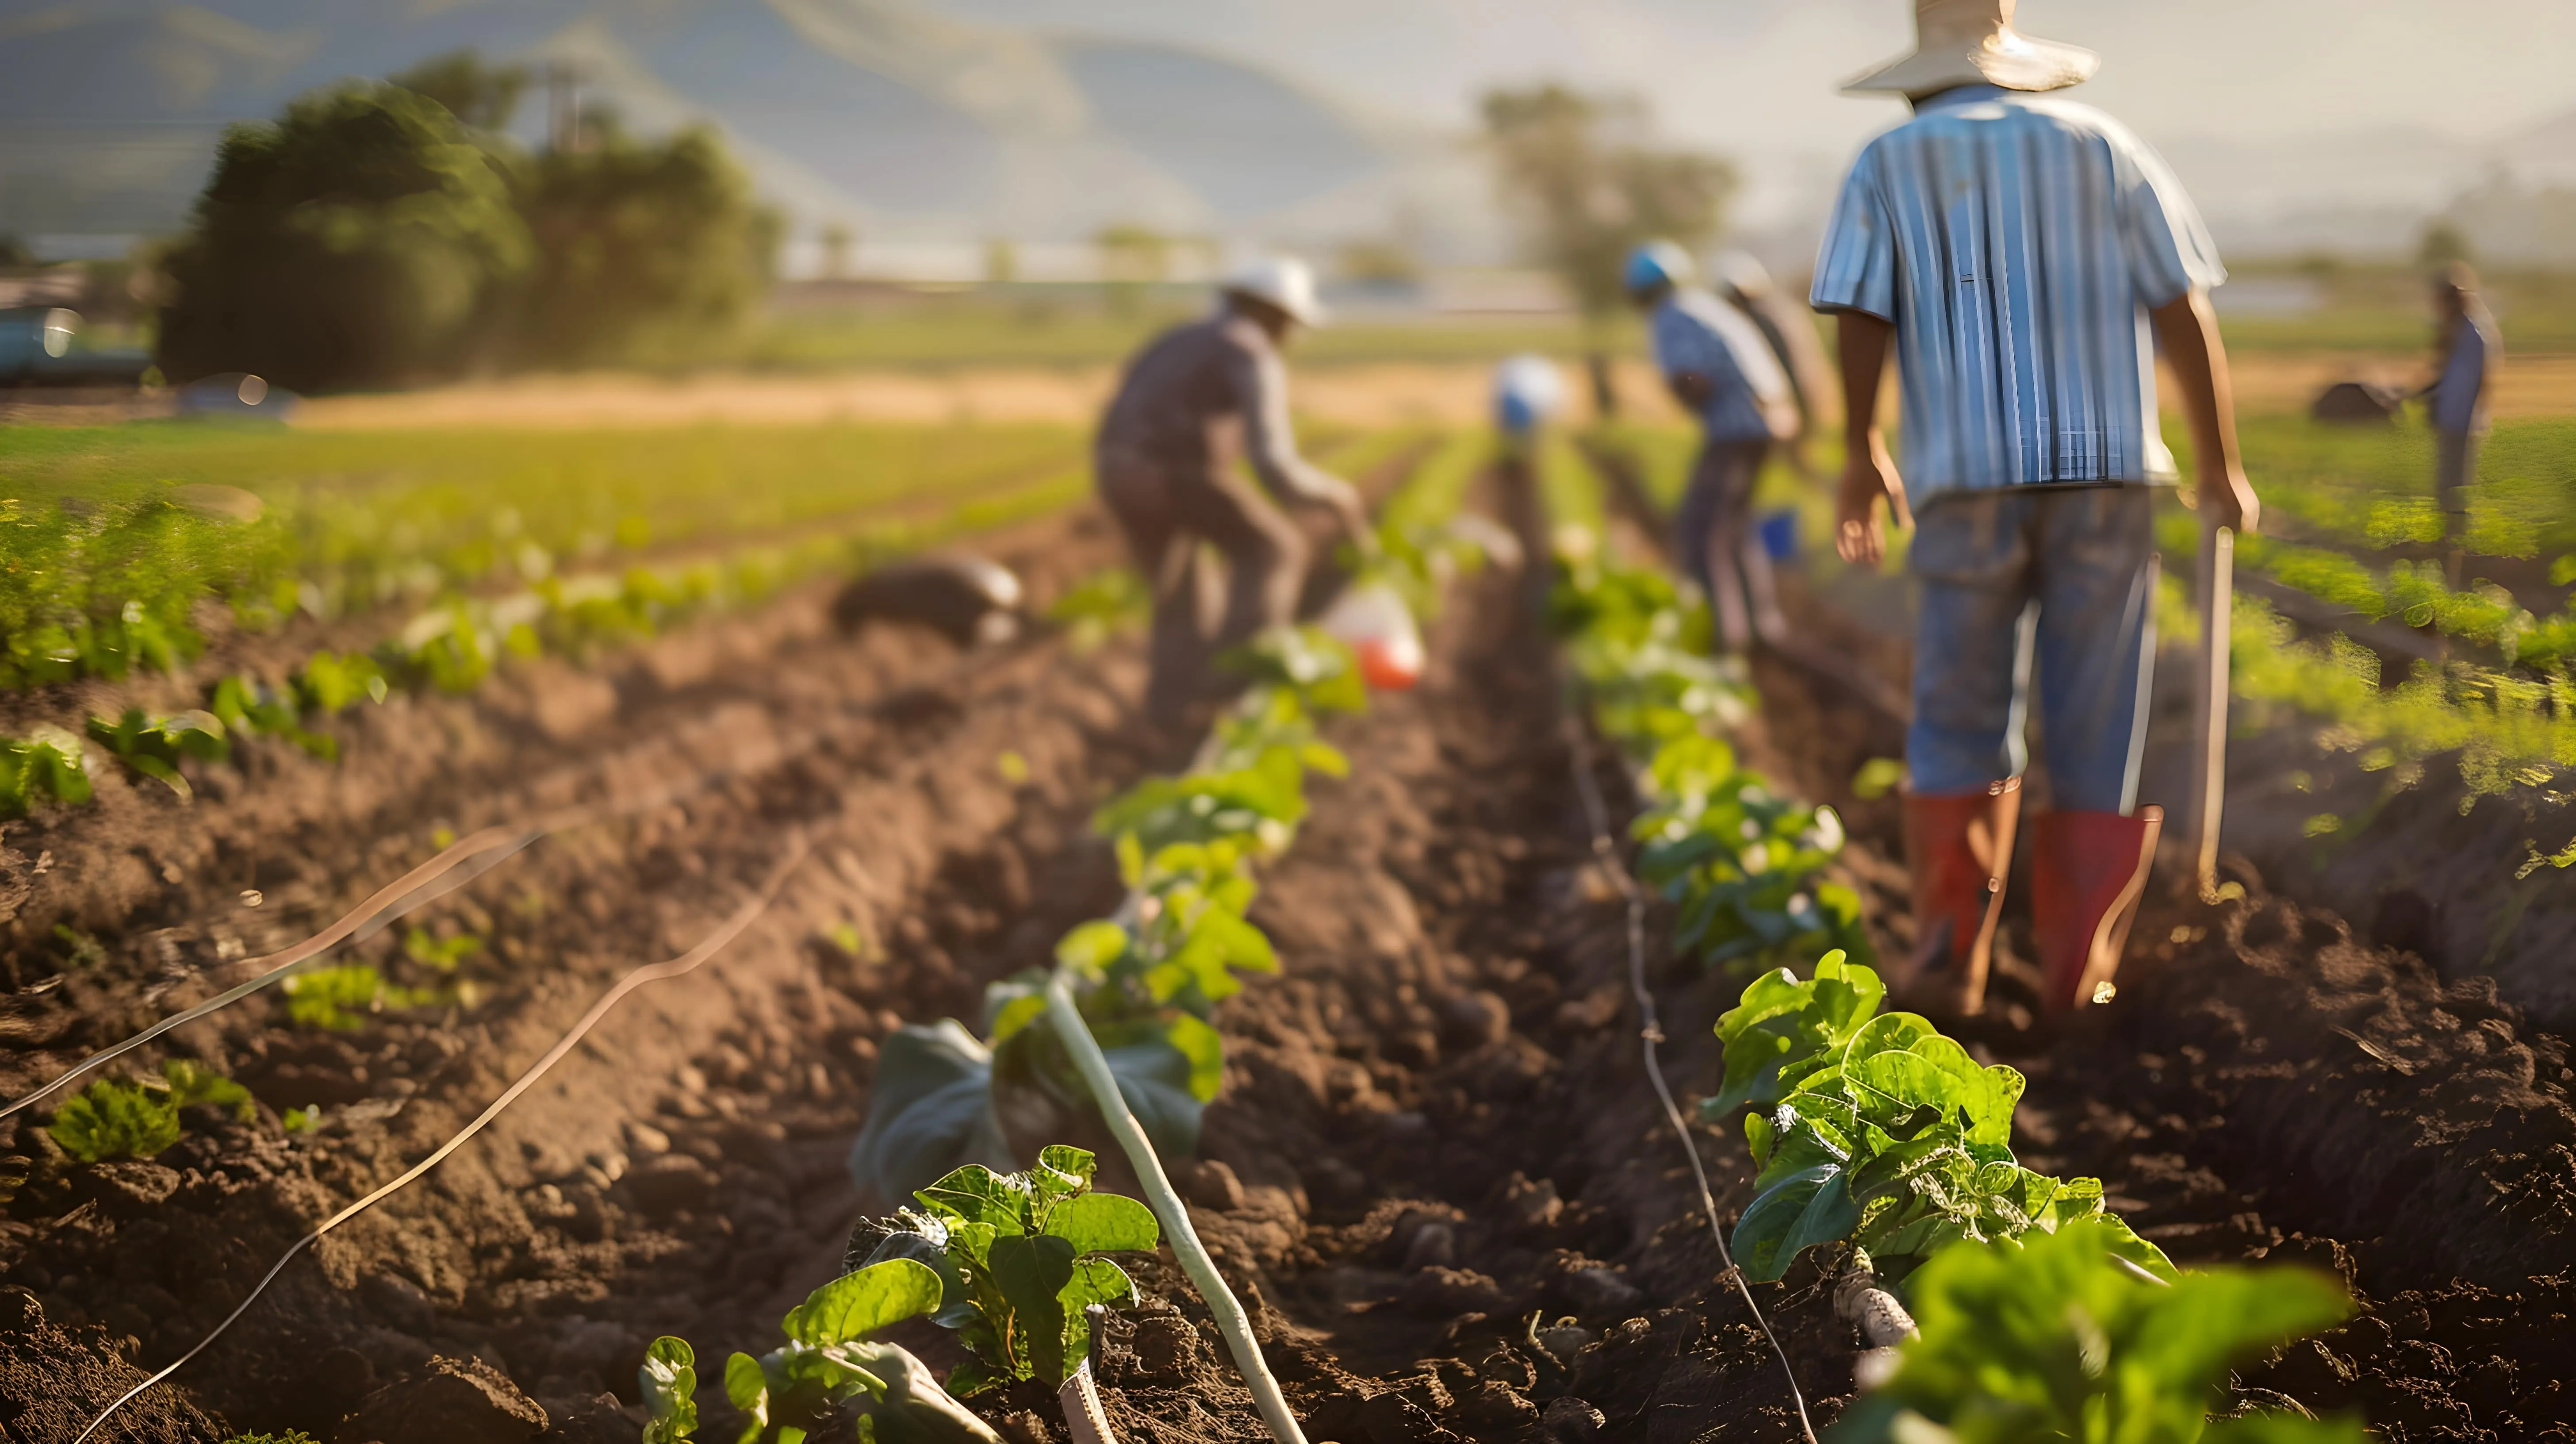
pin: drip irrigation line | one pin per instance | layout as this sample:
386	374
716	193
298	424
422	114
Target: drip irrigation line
686	963
413	889
453	867
1650	1033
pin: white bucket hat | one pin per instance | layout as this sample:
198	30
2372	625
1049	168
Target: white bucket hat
1281	281
1972	42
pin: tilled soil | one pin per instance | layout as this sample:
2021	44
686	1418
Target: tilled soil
1436	1138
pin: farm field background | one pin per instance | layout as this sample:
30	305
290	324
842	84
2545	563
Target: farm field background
596	612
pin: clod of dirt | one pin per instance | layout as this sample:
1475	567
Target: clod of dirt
1434	1246
1211	1184
1165	1345
670	1183
1441	1293
1570	1419
1565	1341
1497	1410
1528	1204
127	1189
1391	1418
453	1401
596	1420
1600	1293
1476	1020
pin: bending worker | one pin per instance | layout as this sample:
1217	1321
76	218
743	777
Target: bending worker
1722	371
1790	331
2016	251
1193	398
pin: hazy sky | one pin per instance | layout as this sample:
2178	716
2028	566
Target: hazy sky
1760	75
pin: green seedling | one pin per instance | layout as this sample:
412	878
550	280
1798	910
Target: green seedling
116	1118
341	998
155	746
47	765
827	1371
1020	1259
440	954
2051	1338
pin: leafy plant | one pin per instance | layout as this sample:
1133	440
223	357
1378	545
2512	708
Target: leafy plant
1743	863
1875	1129
1148	980
1019	1257
440	954
117	1118
46	765
246	708
339	998
2050	1339
1100	606
154	746
828	1369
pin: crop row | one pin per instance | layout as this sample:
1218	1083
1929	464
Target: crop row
2041	1314
105	563
455	646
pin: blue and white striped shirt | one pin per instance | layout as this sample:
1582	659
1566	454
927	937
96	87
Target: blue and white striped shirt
2017	241
1695	331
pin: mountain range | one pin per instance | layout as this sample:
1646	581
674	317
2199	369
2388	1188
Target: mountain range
1007	119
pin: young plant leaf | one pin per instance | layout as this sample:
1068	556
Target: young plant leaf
858	1304
1104	1223
667	1382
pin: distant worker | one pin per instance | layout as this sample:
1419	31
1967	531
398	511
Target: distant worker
1721	370
1790	328
1191	400
2015	252
1528	392
2466	349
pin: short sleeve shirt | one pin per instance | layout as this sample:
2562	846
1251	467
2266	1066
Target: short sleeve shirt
2017	243
1695	331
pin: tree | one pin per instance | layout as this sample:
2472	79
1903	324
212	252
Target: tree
1587	183
483	96
646	249
356	240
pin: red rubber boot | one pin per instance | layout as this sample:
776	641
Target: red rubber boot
2088	870
1959	848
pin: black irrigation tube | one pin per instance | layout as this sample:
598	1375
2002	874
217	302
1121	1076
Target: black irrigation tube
1650	1033
686	963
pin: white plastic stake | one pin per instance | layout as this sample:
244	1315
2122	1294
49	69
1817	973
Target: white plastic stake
1231	1320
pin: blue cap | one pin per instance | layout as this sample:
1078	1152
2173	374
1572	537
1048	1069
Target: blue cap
1657	263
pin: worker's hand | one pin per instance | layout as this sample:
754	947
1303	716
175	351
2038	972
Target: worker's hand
1353	515
2227	499
1869	477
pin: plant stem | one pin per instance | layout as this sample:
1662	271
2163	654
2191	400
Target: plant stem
1066	1017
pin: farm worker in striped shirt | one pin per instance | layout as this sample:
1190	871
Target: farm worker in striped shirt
1721	371
1194	398
2021	254
2468	348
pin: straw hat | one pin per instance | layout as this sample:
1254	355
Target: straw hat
1972	42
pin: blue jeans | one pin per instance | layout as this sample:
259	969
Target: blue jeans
2063	577
1718	547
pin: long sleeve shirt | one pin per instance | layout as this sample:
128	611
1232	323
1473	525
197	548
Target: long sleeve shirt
2017	243
1749	397
1202	388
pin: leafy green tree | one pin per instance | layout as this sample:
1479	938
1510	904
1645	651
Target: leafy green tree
646	249
1588	182
354	241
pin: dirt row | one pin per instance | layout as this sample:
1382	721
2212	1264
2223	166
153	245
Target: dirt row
1436	1173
